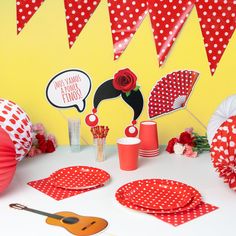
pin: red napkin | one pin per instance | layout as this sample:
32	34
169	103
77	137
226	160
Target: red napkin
58	194
179	218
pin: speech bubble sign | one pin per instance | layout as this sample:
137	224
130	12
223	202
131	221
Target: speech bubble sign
69	89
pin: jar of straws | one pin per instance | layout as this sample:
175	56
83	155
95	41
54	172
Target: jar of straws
99	139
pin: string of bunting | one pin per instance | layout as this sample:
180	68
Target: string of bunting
217	21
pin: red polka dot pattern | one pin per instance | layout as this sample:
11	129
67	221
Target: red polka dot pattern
167	19
77	177
223	152
78	13
18	126
125	195
175	217
171	92
218	22
25	9
58	194
125	17
162	195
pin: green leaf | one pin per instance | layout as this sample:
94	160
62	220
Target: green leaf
127	94
136	88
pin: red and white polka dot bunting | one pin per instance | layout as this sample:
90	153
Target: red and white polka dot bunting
218	22
25	9
17	124
167	19
78	177
78	13
171	92
125	17
223	151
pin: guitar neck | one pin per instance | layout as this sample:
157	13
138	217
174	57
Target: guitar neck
44	213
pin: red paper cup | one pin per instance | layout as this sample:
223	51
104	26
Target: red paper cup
128	149
148	136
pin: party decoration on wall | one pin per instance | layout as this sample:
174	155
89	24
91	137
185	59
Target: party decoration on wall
18	126
218	21
7	160
223	150
77	16
69	89
171	92
167	19
125	21
123	84
225	110
25	9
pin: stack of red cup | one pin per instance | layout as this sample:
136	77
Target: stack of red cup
149	139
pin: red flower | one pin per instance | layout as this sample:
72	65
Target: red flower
170	146
50	146
124	80
186	138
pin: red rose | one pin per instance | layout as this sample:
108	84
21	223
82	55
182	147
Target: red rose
170	146
186	138
124	80
50	146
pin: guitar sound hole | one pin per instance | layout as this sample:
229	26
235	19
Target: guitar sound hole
70	220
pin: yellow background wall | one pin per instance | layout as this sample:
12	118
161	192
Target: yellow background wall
28	61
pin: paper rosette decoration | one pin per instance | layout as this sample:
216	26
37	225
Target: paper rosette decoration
18	126
171	92
223	151
7	160
225	110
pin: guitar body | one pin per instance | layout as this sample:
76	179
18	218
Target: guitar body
77	224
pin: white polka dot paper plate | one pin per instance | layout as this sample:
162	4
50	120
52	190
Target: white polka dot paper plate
78	177
140	195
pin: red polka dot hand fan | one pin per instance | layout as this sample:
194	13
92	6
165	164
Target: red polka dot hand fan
78	177
223	151
7	160
171	92
18	126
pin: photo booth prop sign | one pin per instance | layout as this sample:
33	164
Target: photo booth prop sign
123	84
69	89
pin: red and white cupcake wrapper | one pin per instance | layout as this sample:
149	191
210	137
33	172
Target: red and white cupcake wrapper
44	186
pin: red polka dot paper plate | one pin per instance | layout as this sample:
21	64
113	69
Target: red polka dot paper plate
138	195
162	194
223	151
78	177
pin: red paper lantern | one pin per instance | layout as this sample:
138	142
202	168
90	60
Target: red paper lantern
7	160
17	125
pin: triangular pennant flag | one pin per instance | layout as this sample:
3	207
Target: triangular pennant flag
218	22
25	9
77	16
167	19
125	17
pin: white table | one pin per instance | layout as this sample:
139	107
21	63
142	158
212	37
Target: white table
101	202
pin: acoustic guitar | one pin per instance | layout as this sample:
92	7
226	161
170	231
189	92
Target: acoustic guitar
75	224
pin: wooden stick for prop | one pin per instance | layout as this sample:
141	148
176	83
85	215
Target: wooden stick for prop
196	118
